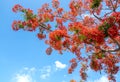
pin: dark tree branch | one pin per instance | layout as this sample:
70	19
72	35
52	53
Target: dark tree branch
96	16
44	26
114	9
112	50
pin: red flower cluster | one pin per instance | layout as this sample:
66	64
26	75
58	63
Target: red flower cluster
55	38
16	25
29	25
57	35
32	24
41	36
59	10
93	35
99	37
95	65
116	15
83	73
76	26
55	3
47	17
111	25
75	7
17	8
113	31
31	21
49	51
87	34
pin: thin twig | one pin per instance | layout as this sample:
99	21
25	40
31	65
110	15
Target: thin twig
114	9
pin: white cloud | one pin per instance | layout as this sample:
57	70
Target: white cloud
102	79
32	69
45	72
45	76
24	75
59	65
27	74
29	70
26	68
23	78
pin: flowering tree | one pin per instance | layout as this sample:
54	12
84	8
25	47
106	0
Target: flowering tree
89	25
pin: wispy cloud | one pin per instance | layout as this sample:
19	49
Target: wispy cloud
29	70
28	74
45	76
24	75
59	65
45	72
102	79
23	78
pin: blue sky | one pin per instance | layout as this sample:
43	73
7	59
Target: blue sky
22	54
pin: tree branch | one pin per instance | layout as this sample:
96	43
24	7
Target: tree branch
112	50
96	16
114	9
44	26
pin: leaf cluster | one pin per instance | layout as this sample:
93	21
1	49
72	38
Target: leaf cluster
95	4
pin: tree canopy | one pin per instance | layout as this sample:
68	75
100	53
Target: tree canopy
90	26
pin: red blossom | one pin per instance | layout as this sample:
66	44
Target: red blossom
49	51
95	65
59	10
98	36
55	3
41	36
113	31
57	35
70	70
16	25
17	8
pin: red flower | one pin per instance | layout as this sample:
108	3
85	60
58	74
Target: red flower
113	31
70	70
41	36
16	25
32	23
55	3
49	51
95	65
17	8
57	35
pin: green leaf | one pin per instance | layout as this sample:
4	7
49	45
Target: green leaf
76	31
91	40
82	37
21	26
58	37
24	10
95	4
34	16
103	55
47	20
